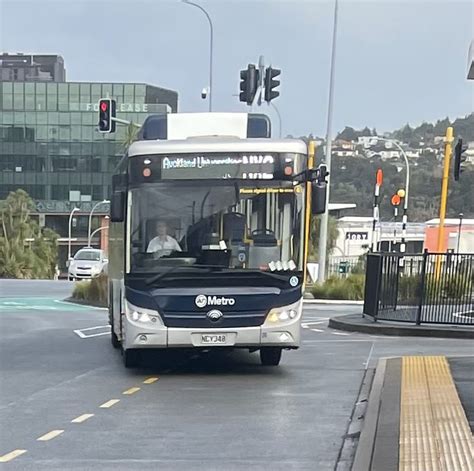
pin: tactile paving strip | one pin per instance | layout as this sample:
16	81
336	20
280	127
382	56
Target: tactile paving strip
434	431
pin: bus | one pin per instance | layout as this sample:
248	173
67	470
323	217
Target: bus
208	237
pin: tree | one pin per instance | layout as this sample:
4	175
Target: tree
348	134
26	250
130	136
314	236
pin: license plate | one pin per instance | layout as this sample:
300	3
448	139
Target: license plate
213	339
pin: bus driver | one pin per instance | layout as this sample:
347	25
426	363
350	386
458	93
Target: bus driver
163	243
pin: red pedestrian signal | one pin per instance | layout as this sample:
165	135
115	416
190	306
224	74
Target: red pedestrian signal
396	200
106	114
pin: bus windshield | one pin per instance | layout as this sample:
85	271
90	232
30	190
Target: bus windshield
177	225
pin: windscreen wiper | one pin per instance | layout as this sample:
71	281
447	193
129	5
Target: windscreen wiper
159	276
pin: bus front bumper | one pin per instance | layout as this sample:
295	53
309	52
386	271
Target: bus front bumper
286	336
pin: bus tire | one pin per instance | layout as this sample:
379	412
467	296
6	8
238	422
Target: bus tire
131	358
270	356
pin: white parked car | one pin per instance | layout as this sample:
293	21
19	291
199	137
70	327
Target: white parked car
87	263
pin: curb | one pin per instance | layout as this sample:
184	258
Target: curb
365	447
380	328
81	302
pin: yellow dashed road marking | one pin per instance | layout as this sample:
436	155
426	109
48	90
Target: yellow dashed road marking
108	404
150	380
49	435
11	456
131	391
81	418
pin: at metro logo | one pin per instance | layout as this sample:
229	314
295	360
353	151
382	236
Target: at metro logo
203	301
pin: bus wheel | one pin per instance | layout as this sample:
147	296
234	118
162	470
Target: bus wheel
114	338
131	358
270	356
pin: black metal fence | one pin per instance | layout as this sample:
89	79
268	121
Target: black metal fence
433	288
343	266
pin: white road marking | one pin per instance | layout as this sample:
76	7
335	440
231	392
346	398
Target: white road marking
340	333
82	335
366	364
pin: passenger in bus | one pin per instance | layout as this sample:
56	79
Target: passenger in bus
163	244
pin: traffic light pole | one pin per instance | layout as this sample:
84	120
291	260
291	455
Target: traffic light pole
444	195
124	121
323	237
405	199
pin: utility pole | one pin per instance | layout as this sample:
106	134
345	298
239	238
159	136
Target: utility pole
323	237
448	149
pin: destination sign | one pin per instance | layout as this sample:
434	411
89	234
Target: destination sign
252	166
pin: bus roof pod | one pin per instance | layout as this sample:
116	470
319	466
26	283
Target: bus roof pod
217	145
179	126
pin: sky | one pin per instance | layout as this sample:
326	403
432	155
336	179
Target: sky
396	62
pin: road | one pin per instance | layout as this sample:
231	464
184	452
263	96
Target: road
209	411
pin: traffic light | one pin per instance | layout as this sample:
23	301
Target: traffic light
458	159
248	84
271	84
107	108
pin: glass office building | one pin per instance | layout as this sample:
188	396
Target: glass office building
50	146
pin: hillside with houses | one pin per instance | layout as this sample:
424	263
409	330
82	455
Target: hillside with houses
357	154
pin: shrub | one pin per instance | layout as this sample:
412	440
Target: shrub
94	291
81	289
351	288
456	286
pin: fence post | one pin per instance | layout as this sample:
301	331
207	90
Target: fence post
422	287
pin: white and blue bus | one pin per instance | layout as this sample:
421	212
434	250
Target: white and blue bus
208	237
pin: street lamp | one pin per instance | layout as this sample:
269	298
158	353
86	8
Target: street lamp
89	236
211	47
407	185
70	230
98	230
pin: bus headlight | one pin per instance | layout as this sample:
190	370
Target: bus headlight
143	315
283	314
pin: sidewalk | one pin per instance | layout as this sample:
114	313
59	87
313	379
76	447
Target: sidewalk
364	324
420	416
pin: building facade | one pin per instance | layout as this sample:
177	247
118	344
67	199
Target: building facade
50	146
32	68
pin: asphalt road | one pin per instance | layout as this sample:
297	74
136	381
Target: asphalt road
209	411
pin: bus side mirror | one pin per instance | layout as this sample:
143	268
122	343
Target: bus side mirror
117	206
318	197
